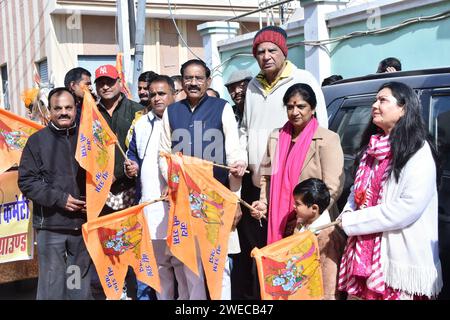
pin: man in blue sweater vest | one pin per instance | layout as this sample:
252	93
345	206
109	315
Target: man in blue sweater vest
205	127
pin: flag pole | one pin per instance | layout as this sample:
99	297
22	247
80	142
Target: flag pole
324	226
164	198
225	167
121	150
214	164
250	207
123	153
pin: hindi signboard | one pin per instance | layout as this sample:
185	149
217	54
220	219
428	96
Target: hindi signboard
16	232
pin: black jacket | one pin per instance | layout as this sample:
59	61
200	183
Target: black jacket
48	173
120	123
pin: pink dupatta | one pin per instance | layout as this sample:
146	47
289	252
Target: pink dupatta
286	170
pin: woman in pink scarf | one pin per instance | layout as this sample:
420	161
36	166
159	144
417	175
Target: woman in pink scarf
298	151
391	216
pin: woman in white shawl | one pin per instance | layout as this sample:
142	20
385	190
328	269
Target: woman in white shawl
391	216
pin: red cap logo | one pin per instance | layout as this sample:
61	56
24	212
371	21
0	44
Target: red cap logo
106	71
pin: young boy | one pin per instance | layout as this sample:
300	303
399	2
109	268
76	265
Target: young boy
311	200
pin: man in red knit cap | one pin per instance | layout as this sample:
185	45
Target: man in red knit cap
263	112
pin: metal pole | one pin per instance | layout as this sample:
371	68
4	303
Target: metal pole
124	36
281	10
139	48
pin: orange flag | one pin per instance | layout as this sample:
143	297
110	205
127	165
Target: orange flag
289	269
119	67
14	133
180	236
95	153
212	208
117	241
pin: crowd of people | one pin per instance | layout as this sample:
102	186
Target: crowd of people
384	245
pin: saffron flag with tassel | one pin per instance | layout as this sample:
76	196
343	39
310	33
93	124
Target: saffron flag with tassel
119	240
201	208
289	269
95	153
14	133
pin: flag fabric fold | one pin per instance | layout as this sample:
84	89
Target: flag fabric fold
14	133
117	241
202	209
289	269
119	66
180	237
95	153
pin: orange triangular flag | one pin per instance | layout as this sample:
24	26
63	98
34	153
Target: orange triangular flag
180	236
117	241
289	269
95	153
14	133
212	208
119	67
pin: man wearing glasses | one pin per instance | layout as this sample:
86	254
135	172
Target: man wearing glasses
212	119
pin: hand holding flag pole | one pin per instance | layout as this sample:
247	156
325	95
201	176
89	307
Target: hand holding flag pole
225	167
252	208
124	154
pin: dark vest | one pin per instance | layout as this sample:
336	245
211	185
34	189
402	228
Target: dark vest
200	133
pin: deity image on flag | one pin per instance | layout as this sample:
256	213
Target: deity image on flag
14	133
13	140
289	269
207	206
201	209
102	140
117	242
95	153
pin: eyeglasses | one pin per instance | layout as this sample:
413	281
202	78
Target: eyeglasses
189	79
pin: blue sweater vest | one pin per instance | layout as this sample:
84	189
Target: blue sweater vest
200	133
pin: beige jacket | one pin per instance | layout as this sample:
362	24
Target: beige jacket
324	160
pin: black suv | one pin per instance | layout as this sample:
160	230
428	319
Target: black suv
349	111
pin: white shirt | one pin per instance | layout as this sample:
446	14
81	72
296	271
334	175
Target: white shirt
148	131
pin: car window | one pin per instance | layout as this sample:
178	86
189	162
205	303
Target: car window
440	129
353	122
350	123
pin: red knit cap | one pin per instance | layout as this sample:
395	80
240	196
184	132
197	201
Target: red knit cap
272	34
